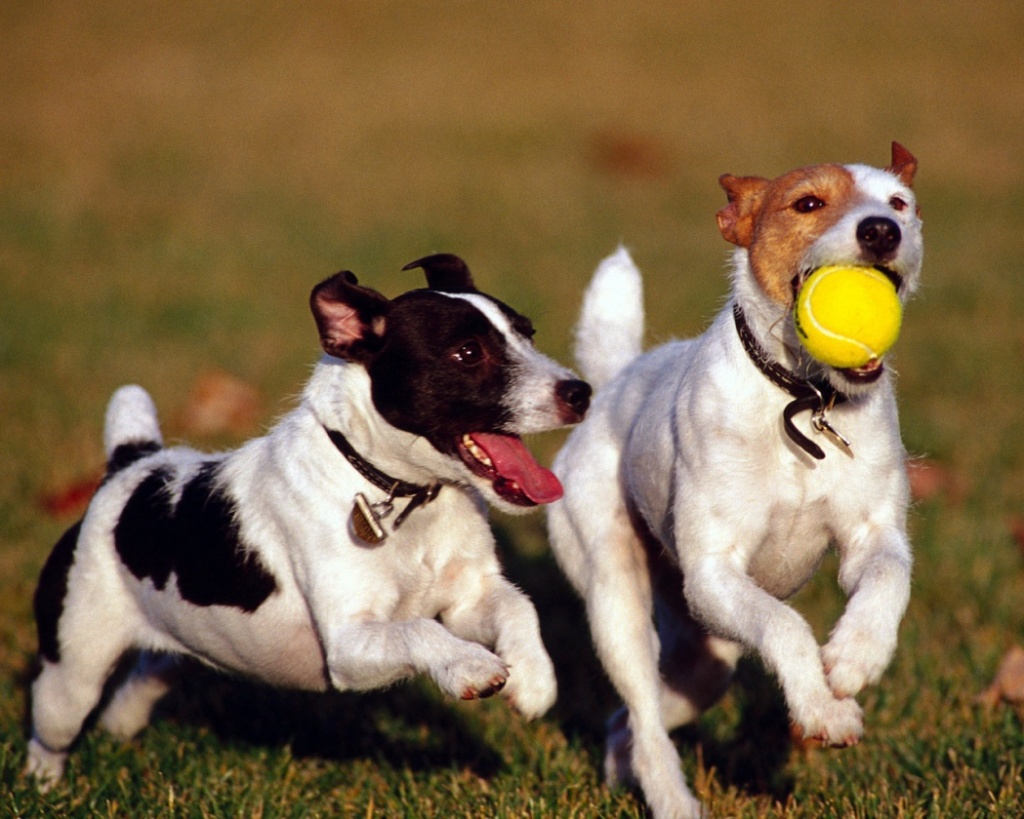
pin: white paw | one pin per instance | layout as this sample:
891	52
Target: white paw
45	765
853	659
471	673
832	721
532	688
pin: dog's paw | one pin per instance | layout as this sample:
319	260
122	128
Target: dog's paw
834	721
44	765
532	688
853	659
473	673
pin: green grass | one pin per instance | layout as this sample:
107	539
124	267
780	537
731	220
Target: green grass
174	179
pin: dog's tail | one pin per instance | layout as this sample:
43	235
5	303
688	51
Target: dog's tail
131	430
611	327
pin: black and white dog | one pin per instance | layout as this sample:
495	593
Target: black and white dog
282	560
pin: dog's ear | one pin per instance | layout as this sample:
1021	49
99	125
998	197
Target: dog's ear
736	220
445	272
351	318
904	164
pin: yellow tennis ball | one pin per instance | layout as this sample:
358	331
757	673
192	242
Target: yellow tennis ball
847	316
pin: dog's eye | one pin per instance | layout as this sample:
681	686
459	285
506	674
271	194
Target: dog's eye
808	204
898	204
469	353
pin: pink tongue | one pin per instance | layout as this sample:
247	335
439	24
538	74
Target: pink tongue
513	461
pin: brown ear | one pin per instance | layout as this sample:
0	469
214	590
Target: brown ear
350	318
736	220
445	272
904	164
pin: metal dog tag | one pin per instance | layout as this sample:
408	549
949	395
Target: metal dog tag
366	521
822	424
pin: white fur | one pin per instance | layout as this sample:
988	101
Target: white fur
431	599
688	440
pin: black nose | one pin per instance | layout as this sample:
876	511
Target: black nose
878	236
575	397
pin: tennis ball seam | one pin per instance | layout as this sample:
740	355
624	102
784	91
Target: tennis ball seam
824	330
847	351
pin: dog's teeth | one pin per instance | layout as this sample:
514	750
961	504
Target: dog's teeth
476	451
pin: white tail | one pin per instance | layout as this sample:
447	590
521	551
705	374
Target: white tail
611	326
131	419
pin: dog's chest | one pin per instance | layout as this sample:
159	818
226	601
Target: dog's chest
790	547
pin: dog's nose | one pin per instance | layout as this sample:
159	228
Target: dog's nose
574	395
878	236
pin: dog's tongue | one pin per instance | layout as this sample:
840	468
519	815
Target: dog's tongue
513	461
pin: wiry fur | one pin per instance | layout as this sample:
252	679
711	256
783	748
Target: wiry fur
686	502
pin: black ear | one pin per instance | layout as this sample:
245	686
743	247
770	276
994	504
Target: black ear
351	319
446	272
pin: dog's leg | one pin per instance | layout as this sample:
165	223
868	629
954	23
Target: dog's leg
63	695
696	667
362	656
875	573
129	709
732	604
503	617
619	608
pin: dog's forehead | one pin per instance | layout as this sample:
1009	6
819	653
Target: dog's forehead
504	319
878	184
436	306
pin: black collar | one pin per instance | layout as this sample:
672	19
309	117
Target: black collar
817	395
395	488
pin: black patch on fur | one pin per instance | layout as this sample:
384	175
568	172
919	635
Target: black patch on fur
196	539
420	386
124	455
48	602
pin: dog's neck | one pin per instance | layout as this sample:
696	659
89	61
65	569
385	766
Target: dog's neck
767	319
339	395
768	341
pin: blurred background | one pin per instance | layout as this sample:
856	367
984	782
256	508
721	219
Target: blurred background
174	178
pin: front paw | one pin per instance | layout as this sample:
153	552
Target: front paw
853	659
532	688
472	673
831	721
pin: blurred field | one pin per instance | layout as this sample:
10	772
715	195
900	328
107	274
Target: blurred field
175	177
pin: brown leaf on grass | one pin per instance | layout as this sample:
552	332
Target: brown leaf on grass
929	479
1017	532
630	155
219	403
70	499
1008	685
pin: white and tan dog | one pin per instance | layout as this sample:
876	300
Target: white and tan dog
711	477
281	561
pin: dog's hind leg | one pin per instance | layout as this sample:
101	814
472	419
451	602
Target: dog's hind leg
63	696
85	627
130	707
602	553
